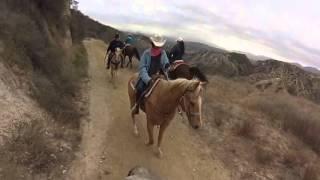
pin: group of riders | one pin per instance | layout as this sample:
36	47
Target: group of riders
153	61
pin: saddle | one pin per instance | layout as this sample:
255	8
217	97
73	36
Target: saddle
176	64
148	91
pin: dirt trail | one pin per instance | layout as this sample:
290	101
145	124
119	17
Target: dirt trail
109	149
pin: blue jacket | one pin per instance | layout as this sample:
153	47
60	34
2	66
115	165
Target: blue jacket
145	62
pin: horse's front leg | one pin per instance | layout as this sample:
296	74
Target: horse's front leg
122	61
128	62
163	127
150	132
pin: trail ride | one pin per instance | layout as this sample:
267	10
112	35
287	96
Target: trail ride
109	145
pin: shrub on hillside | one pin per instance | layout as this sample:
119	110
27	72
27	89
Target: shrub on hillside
29	145
296	115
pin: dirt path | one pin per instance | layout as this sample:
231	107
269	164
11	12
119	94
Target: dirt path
109	149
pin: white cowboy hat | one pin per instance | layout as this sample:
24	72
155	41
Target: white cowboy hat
158	40
180	39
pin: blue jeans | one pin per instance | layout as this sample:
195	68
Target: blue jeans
140	87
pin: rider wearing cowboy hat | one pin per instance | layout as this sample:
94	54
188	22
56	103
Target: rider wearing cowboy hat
154	60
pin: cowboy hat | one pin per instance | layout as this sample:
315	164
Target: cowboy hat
180	39
158	40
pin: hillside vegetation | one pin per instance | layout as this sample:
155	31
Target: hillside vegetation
42	70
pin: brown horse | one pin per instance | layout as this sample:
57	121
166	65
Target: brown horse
160	106
130	51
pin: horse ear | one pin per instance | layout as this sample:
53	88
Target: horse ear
204	83
193	85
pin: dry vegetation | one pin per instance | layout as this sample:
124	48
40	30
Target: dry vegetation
33	34
297	115
262	134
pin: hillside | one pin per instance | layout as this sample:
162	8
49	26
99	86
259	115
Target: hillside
294	79
43	72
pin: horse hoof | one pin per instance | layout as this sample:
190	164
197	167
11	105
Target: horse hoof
135	131
148	143
159	153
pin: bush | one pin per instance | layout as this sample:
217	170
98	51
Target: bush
28	145
263	155
246	129
296	115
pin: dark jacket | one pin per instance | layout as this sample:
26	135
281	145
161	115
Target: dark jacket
116	43
176	52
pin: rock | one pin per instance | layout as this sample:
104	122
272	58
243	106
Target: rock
141	173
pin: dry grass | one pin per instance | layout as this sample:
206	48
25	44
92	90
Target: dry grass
311	173
296	115
28	145
246	129
264	156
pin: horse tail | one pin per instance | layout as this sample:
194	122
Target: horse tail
137	53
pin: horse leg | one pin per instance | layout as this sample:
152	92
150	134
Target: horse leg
111	72
150	133
121	62
131	63
163	127
135	127
128	61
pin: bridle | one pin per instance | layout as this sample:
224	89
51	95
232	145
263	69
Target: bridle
187	109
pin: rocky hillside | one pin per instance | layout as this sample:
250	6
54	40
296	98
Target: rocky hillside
294	79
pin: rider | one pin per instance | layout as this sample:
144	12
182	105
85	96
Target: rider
177	51
115	43
153	61
129	40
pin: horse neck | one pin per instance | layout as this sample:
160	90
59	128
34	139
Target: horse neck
169	93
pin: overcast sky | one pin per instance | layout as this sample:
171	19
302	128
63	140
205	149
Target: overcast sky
287	30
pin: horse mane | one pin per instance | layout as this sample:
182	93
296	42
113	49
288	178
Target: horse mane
183	84
195	72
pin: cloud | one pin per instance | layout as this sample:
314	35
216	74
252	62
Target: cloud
260	28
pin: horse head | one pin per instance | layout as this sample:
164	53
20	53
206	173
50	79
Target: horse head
192	104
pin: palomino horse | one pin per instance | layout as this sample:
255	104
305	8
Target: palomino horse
180	69
116	59
160	106
130	51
